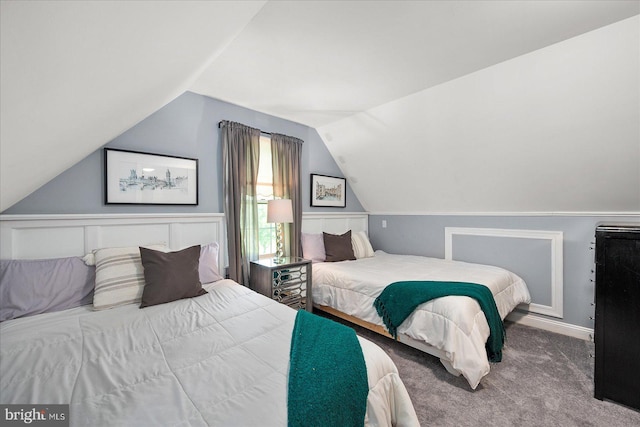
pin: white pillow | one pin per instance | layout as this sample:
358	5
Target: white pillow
361	246
89	259
313	247
119	276
208	268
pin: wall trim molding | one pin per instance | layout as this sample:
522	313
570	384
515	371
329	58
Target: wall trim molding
557	274
58	236
551	214
99	217
551	325
315	214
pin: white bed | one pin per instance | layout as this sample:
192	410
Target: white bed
452	328
218	359
221	358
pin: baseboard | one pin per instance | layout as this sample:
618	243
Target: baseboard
551	325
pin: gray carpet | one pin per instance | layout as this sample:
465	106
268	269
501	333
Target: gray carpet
544	379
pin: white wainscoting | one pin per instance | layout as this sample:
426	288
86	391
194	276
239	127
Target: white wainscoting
57	236
335	223
54	236
556	279
339	223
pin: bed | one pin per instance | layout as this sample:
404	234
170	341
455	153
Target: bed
452	328
220	357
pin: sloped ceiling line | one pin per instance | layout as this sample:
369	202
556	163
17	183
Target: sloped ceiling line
76	74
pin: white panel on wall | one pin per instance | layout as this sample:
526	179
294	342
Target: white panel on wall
311	225
53	236
198	234
334	223
34	243
132	235
555	257
529	258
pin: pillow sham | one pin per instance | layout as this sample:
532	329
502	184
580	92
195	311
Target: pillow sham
29	287
338	247
170	276
119	276
313	247
208	269
361	245
90	258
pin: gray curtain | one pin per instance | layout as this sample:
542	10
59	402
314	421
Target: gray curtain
286	153
240	160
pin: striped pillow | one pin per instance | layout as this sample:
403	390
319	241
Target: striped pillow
119	276
361	245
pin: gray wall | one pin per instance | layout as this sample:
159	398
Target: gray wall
187	127
425	235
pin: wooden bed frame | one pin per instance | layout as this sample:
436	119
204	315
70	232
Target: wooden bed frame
405	339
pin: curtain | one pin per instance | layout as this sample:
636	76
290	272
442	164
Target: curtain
286	153
240	160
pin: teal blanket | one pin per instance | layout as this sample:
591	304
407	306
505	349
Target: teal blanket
328	383
398	300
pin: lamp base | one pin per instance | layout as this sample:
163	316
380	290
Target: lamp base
279	258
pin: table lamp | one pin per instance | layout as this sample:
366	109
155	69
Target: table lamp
279	211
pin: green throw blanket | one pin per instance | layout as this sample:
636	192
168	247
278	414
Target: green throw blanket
398	300
328	383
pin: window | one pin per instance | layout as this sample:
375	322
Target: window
264	189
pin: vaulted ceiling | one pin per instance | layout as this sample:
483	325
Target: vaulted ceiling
76	74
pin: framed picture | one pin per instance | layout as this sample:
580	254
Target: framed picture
136	178
328	191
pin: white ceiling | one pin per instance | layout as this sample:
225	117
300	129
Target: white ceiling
315	62
76	74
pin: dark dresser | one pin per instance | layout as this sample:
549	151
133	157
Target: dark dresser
617	314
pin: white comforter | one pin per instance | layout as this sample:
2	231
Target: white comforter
455	325
219	360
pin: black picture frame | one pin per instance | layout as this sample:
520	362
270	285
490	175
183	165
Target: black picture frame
328	191
140	178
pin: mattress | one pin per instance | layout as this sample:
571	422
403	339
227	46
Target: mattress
454	325
219	359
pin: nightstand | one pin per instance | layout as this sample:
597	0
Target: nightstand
288	282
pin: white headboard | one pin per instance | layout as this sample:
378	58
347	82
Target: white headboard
58	236
335	223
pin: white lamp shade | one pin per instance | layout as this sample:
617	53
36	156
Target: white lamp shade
279	211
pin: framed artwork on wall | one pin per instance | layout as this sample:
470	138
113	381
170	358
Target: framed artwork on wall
328	191
137	178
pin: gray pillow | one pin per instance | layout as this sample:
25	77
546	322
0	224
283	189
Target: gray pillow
338	247
29	287
170	276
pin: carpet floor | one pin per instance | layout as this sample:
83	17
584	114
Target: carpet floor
544	379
